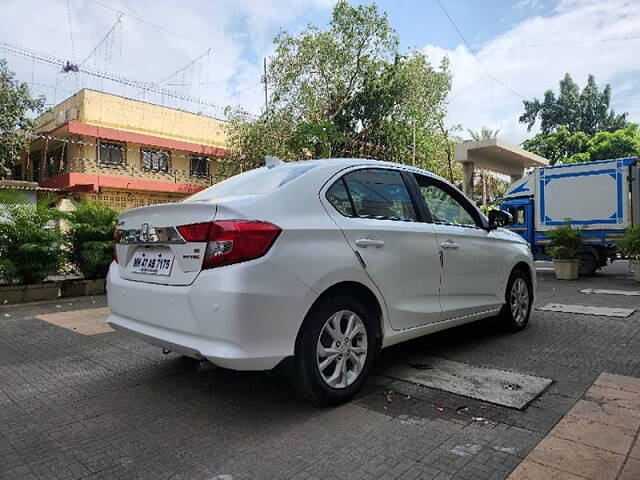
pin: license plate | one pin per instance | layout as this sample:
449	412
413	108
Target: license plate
152	262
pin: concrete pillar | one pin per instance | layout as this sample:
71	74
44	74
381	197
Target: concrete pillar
467	183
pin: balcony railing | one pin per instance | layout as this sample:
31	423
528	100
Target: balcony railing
93	166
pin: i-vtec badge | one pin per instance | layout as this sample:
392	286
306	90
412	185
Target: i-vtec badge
144	232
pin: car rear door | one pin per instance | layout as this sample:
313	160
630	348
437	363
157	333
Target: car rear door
472	259
381	222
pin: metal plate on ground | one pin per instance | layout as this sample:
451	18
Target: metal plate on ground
629	293
89	321
587	310
509	389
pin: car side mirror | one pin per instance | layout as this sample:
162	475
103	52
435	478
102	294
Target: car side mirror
499	218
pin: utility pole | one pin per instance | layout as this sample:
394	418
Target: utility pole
266	93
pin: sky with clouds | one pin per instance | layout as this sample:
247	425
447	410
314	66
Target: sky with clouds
211	52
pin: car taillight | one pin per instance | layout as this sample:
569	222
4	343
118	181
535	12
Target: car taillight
231	241
117	235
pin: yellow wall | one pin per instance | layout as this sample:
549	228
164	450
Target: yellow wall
47	121
140	117
106	110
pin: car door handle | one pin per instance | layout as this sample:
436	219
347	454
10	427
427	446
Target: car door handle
369	242
449	245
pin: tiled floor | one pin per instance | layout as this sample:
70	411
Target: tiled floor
597	439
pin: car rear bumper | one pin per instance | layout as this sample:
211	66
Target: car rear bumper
237	317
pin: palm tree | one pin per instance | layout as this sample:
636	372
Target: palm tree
484	134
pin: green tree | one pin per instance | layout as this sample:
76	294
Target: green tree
558	144
16	103
484	134
348	91
621	143
587	111
570	122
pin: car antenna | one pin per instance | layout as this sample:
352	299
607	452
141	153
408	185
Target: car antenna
271	162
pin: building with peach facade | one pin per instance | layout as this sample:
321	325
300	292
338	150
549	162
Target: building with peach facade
123	152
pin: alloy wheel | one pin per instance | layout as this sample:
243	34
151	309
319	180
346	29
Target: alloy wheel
341	350
519	300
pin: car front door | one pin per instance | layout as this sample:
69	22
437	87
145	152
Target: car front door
472	259
381	222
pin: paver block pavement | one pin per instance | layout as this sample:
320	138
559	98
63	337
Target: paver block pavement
110	406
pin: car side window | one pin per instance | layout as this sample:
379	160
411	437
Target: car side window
339	198
442	204
373	193
518	214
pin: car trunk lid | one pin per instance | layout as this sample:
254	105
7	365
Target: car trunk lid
152	250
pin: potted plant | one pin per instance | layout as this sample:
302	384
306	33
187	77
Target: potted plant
566	244
630	247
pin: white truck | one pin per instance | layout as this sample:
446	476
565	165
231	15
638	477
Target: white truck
601	197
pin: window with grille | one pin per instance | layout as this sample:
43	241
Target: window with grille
56	161
199	166
155	160
111	153
34	159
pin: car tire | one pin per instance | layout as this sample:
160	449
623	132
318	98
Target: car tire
329	367
516	310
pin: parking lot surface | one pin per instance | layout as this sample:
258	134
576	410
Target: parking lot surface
100	404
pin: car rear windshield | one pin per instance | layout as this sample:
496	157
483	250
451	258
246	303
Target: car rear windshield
254	182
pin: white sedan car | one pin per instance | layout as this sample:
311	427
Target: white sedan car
318	264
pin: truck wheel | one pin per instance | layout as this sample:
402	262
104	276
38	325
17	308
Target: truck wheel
588	264
515	312
335	350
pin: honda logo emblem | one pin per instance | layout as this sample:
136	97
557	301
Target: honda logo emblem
144	232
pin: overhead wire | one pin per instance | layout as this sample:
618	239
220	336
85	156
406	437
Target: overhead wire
468	47
182	69
47	59
162	28
104	39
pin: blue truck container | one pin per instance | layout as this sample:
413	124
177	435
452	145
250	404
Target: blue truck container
601	197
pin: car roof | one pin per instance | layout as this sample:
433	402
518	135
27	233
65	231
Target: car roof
341	163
